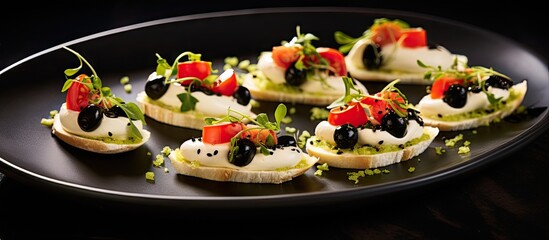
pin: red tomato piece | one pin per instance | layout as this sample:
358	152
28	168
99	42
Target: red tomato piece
221	132
386	33
442	84
414	37
226	83
378	107
198	69
353	114
335	58
260	135
284	56
77	94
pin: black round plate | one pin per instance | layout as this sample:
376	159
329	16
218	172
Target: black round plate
31	88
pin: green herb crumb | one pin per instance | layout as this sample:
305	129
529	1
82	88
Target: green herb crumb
244	64
411	169
128	88
48	122
53	113
292	110
302	139
467	143
464	150
474	131
159	160
124	80
254	103
149	176
354	176
227	66
286	120
321	168
149	154
452	142
319	113
290	129
166	150
439	150
231	61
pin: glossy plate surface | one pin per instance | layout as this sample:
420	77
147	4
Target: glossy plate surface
31	88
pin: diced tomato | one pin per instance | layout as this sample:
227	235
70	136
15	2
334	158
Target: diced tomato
353	114
386	33
284	56
414	37
226	83
442	84
260	135
335	58
378	107
221	133
77	94
198	69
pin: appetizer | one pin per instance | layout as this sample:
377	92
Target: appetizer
185	93
231	150
389	50
298	72
476	96
370	131
94	119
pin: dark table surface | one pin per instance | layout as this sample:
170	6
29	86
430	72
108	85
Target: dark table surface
507	199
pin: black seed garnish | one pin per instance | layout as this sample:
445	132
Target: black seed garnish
380	142
128	124
401	146
339	152
297	150
110	134
198	151
193	139
209	154
311	142
271	152
318	140
379	112
439	115
215	152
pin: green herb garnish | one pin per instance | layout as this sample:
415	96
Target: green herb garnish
103	96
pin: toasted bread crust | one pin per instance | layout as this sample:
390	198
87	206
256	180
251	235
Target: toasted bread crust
94	145
303	98
238	175
354	161
485	120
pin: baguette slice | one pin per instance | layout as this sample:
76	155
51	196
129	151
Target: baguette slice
221	174
520	91
301	97
93	145
180	119
358	71
353	161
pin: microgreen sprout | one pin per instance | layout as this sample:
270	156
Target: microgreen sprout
261	122
103	96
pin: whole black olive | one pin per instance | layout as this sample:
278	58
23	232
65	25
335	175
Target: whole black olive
156	87
372	56
287	141
90	118
455	96
294	76
394	124
245	152
242	95
498	82
346	136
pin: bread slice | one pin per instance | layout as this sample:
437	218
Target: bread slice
520	91
158	113
222	174
300	97
354	161
359	72
93	145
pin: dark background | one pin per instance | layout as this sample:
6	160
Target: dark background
507	200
